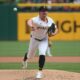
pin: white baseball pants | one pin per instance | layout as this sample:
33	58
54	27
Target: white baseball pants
40	45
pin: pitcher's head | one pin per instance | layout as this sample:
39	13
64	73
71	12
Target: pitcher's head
43	12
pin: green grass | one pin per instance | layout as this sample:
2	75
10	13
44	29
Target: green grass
13	48
73	67
59	48
66	48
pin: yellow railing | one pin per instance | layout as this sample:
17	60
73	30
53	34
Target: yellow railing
46	4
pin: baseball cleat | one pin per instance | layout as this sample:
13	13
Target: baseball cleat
24	64
39	75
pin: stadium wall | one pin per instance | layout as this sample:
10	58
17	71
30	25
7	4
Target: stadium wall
8	22
13	24
68	24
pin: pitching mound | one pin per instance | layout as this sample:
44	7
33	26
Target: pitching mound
30	75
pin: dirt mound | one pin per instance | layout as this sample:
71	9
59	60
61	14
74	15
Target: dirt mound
30	75
48	59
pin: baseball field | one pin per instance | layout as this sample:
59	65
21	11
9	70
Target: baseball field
63	65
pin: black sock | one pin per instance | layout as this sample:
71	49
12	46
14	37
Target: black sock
41	61
25	57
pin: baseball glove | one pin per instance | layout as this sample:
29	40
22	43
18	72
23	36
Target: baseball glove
51	29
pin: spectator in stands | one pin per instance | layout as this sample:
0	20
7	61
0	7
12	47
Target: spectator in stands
60	1
76	1
77	8
49	2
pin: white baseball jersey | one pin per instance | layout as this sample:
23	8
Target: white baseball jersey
42	27
39	34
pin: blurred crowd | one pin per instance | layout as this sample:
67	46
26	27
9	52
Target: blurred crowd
61	8
40	1
46	1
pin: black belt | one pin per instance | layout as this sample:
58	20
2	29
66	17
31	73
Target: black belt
39	39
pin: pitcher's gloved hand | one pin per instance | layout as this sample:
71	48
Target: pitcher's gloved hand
51	29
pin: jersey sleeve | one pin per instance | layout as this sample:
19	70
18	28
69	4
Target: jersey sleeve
34	19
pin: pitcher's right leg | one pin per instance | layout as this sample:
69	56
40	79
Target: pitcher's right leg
31	52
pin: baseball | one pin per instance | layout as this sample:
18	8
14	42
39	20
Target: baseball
14	9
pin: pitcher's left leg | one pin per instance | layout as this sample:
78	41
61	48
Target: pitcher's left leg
42	51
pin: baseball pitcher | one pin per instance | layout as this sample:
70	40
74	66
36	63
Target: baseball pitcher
41	26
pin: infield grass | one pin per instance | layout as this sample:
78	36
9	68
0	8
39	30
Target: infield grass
59	48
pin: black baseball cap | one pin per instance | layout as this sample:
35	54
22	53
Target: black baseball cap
42	9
